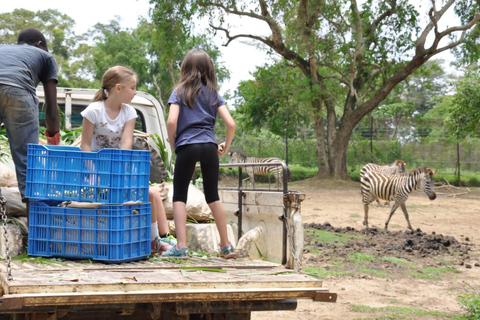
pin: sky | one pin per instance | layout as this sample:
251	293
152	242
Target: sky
240	58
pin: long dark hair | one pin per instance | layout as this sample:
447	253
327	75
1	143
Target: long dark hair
197	69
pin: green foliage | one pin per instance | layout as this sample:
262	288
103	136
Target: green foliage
163	151
300	172
58	30
471	303
464	112
278	99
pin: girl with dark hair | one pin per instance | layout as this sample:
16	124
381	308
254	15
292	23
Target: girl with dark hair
194	105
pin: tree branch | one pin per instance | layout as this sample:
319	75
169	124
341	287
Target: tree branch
383	16
434	16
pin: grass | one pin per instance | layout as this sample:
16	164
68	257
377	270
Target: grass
376	272
432	273
405	313
358	257
329	237
395	260
322	273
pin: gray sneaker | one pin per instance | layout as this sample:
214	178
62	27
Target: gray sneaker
227	252
174	252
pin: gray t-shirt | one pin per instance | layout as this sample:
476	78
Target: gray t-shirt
24	66
197	124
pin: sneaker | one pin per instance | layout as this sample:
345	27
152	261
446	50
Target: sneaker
174	252
227	252
169	239
160	245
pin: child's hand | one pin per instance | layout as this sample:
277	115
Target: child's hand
221	149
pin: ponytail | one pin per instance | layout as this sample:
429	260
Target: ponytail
101	94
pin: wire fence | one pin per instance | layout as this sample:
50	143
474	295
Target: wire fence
420	142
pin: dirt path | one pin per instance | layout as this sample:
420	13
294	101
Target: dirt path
339	204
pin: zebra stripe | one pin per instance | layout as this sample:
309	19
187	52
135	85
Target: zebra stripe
395	168
395	188
236	157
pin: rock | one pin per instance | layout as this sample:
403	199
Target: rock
14	206
7	176
205	237
15	240
197	207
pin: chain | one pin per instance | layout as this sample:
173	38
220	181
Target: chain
3	213
298	263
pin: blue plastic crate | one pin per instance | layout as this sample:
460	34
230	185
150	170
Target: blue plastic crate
109	233
67	173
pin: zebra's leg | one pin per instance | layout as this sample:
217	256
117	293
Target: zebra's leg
365	218
366	201
404	209
395	206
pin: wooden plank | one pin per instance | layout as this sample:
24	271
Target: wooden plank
158	296
166	279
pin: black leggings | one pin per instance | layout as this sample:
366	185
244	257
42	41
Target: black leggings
187	157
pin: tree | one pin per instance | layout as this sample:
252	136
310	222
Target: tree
277	99
411	99
57	28
361	52
463	114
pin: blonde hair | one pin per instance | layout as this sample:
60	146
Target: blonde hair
113	76
197	69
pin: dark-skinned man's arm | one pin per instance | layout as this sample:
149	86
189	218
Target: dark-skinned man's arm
52	116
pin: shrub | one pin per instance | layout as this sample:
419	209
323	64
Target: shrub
471	303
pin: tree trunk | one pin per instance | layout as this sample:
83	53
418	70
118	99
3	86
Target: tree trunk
322	161
337	157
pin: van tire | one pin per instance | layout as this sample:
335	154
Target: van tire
157	167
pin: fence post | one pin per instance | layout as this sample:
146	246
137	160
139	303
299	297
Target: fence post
458	163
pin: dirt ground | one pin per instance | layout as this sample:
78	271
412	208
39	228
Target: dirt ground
446	234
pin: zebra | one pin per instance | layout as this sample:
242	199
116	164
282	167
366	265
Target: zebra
398	166
237	157
396	188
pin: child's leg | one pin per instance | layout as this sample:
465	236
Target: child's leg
184	166
210	167
218	213
158	210
154	227
180	218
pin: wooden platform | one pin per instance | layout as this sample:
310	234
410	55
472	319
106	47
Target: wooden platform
55	283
